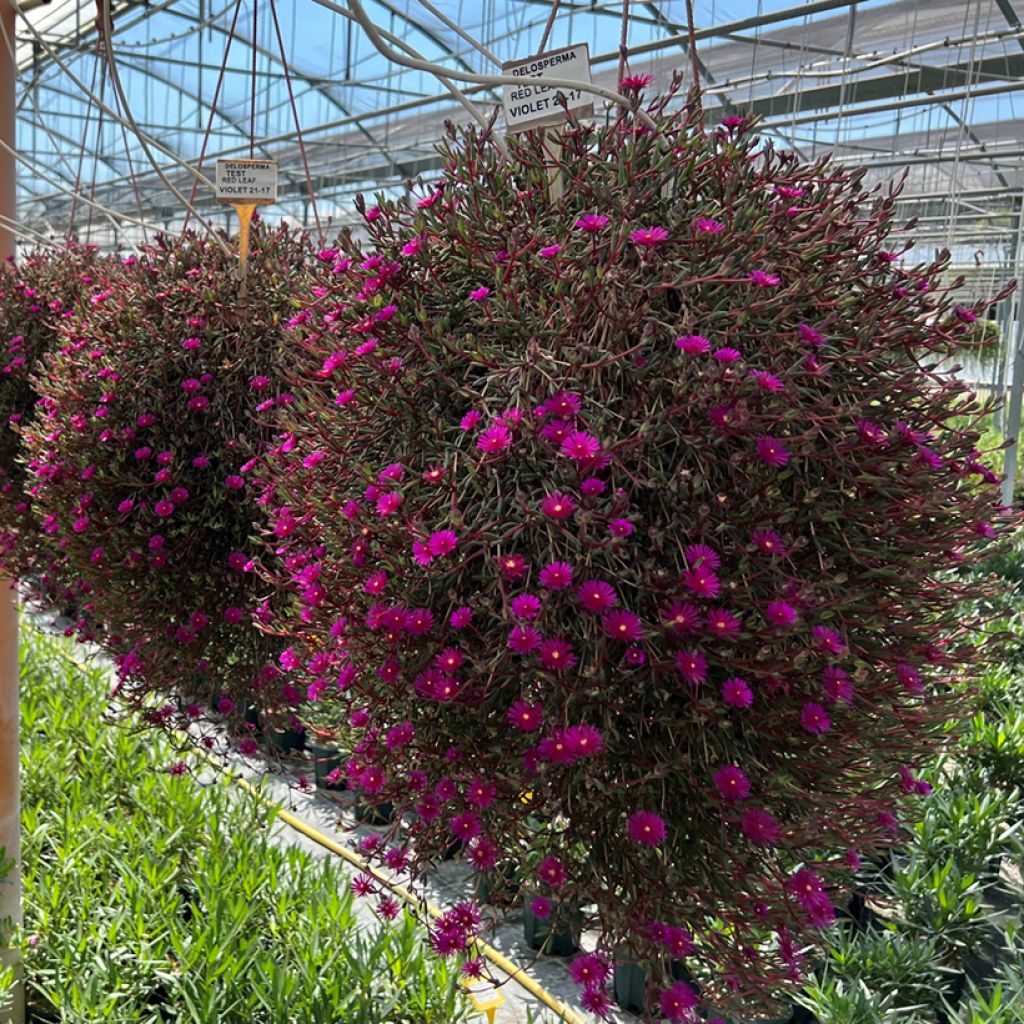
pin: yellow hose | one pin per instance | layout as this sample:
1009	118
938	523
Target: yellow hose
481	948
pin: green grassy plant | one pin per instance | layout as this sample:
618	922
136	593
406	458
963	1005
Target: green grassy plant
152	897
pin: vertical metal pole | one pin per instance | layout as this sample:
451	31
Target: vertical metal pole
10	791
1016	340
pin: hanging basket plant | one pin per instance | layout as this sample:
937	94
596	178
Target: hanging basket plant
36	295
152	415
633	512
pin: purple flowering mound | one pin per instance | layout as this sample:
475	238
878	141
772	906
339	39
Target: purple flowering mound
143	450
35	294
622	527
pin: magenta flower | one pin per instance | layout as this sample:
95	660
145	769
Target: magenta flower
558	506
701	555
732	783
551	872
461	617
633	82
682	617
494	439
480	294
692	666
596	1000
727	355
388	503
769	542
870	432
541	907
592	486
375	582
811	335
635	656
828	641
620	528
737	693
512	567
837	686
763	279
702	582
449	660
163	508
564	403
592	222
470	420
647	238
556	576
482	854
814	719
780	613
522	639
761	828
556	655
623	625
766	381
597	595
589	970
772	451
646	828
525	606
708	226
583	740
693	344
722	623
526	717
806	886
465	826
442	542
580	446
910	678
677	1003
549	252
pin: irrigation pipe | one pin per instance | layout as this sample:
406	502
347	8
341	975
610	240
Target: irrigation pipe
110	112
481	948
438	70
115	78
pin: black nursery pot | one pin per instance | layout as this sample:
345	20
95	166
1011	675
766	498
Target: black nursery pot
374	814
453	849
326	759
629	983
538	930
499	886
286	740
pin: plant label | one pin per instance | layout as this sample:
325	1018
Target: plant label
247	181
532	103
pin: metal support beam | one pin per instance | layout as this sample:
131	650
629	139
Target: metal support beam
1011	17
1011	456
10	785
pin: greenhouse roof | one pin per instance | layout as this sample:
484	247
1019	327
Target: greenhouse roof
930	86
